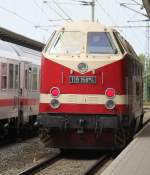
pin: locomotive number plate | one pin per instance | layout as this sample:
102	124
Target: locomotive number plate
82	79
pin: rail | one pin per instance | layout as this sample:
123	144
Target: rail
97	165
41	165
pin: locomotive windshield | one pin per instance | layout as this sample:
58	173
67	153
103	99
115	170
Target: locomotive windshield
67	43
100	43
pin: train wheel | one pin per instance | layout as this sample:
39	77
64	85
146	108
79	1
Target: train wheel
122	137
4	129
63	150
12	128
66	151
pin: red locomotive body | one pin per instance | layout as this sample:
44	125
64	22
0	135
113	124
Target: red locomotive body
91	88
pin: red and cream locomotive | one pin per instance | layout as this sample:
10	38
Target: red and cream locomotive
91	88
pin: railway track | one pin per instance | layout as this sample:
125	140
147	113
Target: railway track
78	165
56	161
41	165
52	164
145	123
97	165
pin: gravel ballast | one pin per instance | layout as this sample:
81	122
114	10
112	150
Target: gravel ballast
67	167
19	156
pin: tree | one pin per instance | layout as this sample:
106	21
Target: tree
146	76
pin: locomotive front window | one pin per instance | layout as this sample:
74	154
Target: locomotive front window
66	43
100	43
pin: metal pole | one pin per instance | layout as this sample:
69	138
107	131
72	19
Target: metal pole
147	93
93	10
146	66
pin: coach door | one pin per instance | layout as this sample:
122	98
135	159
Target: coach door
25	88
12	87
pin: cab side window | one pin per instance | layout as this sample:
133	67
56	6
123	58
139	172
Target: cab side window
116	35
3	75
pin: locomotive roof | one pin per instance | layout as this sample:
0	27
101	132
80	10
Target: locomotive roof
85	26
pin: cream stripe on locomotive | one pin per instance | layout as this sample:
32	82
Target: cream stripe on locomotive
83	99
93	62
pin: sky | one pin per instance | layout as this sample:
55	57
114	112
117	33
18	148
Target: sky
37	19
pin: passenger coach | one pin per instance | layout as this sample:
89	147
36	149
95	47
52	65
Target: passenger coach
19	87
91	88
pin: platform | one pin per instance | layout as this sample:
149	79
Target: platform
146	115
135	158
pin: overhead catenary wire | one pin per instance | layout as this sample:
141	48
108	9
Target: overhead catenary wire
42	10
132	28
69	18
46	26
17	15
21	17
54	10
55	20
38	6
125	5
136	38
69	3
137	3
108	15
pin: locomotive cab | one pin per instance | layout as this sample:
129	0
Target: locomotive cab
87	88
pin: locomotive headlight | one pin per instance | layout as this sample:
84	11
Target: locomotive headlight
54	103
110	92
110	104
55	92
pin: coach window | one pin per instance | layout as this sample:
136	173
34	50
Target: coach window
4	76
35	79
26	79
16	76
11	75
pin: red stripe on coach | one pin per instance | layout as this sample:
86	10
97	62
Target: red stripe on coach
12	102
